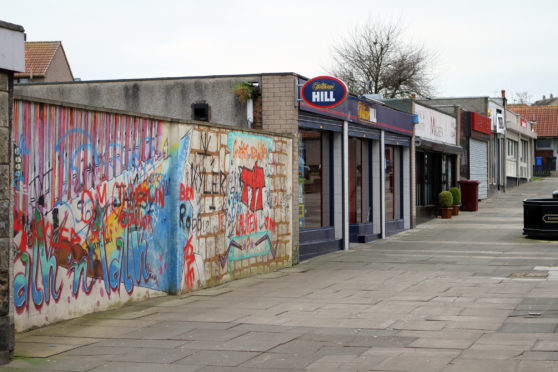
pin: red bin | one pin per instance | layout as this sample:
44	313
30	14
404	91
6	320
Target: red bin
469	195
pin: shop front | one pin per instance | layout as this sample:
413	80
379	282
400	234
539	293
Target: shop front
475	140
354	174
436	158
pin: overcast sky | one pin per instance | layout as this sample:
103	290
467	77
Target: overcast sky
482	47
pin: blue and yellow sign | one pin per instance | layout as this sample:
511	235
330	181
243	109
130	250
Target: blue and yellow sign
324	91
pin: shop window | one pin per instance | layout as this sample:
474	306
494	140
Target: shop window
524	151
314	179
393	182
355	181
512	149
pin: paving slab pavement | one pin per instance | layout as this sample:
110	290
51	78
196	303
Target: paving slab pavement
470	293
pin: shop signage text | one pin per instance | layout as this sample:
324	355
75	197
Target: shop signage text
324	91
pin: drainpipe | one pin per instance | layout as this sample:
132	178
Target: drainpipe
505	141
250	112
345	185
382	185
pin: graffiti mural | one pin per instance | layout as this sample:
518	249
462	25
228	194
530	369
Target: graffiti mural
111	207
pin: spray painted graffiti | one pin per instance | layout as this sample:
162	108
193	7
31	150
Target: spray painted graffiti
112	207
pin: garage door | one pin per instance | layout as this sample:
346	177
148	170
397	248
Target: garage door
478	162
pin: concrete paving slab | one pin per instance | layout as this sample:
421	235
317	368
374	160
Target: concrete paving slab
468	365
40	350
144	367
411	363
223	358
55	363
280	360
509	327
441	343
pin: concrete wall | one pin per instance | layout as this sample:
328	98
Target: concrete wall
475	104
169	97
111	207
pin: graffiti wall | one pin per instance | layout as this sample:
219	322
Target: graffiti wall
111	207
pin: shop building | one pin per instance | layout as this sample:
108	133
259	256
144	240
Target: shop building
520	149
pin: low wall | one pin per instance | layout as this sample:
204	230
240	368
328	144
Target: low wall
111	207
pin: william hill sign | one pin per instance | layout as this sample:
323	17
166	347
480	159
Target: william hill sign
324	91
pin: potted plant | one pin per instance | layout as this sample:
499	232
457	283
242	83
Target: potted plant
456	194
445	200
244	91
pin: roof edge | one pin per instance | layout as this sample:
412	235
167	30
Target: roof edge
11	26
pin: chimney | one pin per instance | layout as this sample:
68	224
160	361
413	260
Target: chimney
544	97
551	97
503	93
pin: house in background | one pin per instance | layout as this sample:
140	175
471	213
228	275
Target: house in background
546	119
45	61
550	101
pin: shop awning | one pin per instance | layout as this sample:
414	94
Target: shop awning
426	144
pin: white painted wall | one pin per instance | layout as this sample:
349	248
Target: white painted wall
12	50
435	125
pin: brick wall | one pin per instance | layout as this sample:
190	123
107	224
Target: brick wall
280	114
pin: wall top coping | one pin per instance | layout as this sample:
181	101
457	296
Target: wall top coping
207	77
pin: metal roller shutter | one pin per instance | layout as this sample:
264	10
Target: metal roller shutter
363	132
396	139
478	162
310	121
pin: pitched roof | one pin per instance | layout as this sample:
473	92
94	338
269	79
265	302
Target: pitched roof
38	56
545	116
546	102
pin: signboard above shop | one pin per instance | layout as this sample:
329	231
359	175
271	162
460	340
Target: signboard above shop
324	92
357	111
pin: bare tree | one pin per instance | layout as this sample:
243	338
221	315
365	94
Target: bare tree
522	98
374	59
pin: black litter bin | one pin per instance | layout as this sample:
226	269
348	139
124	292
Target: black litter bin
469	195
540	217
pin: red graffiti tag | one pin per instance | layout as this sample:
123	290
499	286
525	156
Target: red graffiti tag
253	179
186	193
189	259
